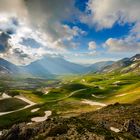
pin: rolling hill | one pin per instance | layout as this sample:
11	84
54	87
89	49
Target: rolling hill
125	65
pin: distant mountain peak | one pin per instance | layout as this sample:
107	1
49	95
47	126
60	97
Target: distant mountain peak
7	67
124	65
135	57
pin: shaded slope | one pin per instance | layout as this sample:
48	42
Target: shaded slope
7	67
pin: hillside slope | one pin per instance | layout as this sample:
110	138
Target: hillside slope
7	67
124	65
109	123
99	66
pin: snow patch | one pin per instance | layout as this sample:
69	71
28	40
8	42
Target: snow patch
92	103
29	123
133	65
114	129
4	96
135	59
41	119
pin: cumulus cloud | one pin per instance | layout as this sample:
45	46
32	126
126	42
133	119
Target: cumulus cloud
35	25
135	31
14	7
48	15
122	45
105	13
92	45
38	27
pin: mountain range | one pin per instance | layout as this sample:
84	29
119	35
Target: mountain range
7	67
51	66
124	65
54	65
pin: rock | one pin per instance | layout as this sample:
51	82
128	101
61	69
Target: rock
12	134
132	127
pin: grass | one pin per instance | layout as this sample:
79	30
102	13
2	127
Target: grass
59	101
11	104
25	115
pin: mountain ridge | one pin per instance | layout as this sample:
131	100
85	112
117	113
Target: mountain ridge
50	66
7	67
124	65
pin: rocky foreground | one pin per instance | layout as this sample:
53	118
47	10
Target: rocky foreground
114	122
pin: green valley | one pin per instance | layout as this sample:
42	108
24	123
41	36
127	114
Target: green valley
33	100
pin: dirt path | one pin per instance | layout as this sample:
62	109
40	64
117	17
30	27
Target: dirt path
72	93
100	97
32	103
23	99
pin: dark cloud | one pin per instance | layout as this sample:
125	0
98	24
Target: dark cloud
48	15
20	53
37	26
4	45
10	26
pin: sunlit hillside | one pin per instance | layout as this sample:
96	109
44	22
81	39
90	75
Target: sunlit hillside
69	70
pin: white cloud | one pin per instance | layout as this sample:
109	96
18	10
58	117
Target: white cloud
104	13
123	45
13	7
48	15
21	54
40	20
135	31
92	45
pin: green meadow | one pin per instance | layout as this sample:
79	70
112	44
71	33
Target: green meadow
65	98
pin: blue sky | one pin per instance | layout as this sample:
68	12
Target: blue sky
117	31
82	31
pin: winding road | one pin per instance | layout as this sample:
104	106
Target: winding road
32	103
23	99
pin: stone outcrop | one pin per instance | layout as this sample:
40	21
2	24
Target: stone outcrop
132	127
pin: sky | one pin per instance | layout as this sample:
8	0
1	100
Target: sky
81	31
